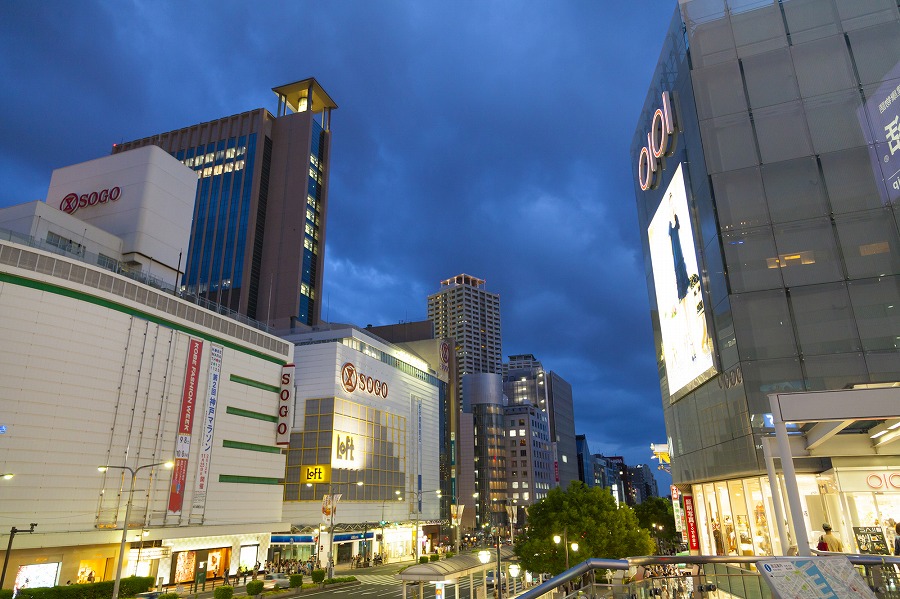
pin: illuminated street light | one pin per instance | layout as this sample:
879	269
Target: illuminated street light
133	472
484	556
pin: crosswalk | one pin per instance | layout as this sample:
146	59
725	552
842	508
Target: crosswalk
391	580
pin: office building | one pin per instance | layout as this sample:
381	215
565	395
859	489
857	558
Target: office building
765	162
529	471
585	461
258	234
642	484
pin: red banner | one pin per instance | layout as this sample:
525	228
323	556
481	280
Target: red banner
691	520
185	425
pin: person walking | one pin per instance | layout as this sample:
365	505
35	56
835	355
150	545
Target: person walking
831	541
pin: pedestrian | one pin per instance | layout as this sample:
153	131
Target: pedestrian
832	543
227	578
897	539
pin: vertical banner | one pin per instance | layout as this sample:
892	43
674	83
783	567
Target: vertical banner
185	425
691	521
329	506
198	500
676	509
285	406
419	456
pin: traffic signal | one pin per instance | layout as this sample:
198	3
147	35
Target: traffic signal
383	522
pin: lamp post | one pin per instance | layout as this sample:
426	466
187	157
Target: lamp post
513	573
418	499
12	535
133	472
565	541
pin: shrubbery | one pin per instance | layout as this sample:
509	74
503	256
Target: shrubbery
128	587
224	592
318	576
168	596
423	559
254	587
434	557
296	581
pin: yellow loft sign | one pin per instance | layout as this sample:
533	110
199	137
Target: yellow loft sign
316	474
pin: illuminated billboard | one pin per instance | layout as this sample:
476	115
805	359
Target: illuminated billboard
883	106
686	343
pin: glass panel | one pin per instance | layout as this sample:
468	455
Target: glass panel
876	50
718	90
794	190
748	255
781	132
758	30
728	143
862	13
762	377
869	243
807	252
850	181
810	19
770	78
824	320
709	32
883	366
724	327
876	304
739	199
715	272
823	66
762	325
836	121
835	371
729	537
744	539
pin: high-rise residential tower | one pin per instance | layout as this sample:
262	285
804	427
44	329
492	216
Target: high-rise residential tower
465	311
258	233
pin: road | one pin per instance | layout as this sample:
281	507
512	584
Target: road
380	583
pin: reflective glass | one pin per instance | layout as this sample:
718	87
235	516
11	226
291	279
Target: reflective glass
728	143
876	304
718	90
823	66
762	325
837	121
863	13
876	51
781	132
749	257
686	428
712	415
835	371
794	190
810	19
709	32
758	30
882	366
807	252
770	78
715	272
850	181
869	243
726	346
762	377
739	199
824	319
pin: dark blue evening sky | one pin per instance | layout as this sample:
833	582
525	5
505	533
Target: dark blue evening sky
489	138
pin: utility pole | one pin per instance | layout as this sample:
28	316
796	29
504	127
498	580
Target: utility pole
12	535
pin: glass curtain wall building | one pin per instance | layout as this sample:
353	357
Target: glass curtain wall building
258	234
766	162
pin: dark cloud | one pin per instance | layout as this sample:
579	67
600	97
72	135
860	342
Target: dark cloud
487	138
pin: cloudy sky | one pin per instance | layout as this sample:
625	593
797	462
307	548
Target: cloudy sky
489	138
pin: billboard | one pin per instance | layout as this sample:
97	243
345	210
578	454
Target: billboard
686	343
883	107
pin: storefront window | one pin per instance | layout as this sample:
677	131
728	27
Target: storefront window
728	532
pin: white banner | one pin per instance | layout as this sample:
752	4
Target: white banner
285	406
329	506
201	483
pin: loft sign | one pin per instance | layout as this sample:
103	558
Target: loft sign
72	202
353	380
660	143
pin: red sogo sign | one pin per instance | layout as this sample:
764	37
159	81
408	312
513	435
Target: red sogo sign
660	143
73	201
352	380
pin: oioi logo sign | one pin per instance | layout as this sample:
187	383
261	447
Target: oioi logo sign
353	380
72	202
660	143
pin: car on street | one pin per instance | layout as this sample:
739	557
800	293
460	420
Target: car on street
491	582
276	580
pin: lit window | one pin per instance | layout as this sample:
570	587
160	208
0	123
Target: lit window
220	154
515	485
229	167
230	153
217	170
209	158
238	165
207	172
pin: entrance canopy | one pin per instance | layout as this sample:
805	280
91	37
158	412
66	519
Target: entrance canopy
450	569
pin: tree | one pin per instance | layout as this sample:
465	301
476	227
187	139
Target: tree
657	515
584	515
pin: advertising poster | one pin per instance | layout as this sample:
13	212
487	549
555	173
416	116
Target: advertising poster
814	578
883	108
185	426
687	345
198	504
871	540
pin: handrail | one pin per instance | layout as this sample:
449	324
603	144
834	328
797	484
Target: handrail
593	564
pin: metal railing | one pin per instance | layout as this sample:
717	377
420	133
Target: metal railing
682	577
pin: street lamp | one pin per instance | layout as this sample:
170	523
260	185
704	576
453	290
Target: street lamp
12	535
565	541
513	573
133	472
484	556
418	497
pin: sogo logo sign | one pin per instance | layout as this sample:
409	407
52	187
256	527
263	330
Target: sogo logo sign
353	380
660	143
73	201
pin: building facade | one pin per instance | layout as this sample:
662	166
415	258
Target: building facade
258	234
365	426
98	370
766	162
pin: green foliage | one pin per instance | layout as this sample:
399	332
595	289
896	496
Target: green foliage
296	581
340	579
423	559
128	587
318	576
5	593
168	596
584	515
254	587
449	554
434	557
224	592
659	511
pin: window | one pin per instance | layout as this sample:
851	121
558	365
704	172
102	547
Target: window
523	452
